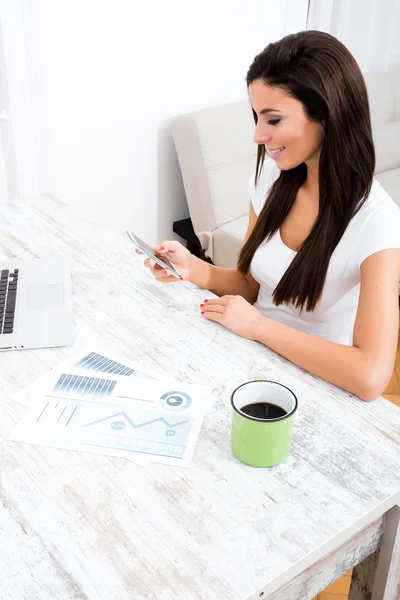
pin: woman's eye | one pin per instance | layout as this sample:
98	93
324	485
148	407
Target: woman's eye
273	121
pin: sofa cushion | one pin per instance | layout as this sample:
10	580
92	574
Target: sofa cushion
229	190
387	146
384	100
217	155
390	180
227	241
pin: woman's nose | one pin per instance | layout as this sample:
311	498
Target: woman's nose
261	136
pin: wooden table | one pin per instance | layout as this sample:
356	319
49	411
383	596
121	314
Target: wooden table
78	526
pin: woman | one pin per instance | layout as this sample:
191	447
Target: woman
317	276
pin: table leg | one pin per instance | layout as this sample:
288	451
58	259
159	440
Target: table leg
378	576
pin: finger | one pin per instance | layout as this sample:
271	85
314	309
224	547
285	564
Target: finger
149	263
138	251
171	276
212	316
214	308
163	248
157	271
162	275
160	250
217	301
168	247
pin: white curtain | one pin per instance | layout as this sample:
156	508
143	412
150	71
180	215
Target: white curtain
369	28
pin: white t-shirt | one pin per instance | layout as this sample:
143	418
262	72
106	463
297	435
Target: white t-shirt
375	227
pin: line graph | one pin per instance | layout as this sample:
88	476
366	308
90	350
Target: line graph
137	426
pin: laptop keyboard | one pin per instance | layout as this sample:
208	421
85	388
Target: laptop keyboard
8	297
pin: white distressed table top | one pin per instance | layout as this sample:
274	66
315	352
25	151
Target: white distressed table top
76	525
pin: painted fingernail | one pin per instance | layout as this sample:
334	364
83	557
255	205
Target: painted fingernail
162	248
205	300
202	313
165	273
181	278
201	305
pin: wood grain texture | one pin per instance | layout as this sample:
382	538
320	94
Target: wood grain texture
341	586
83	526
393	398
331	567
331	596
387	577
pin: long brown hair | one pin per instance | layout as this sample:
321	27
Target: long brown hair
319	71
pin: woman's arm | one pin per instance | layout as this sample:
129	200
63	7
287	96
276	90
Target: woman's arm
366	367
222	281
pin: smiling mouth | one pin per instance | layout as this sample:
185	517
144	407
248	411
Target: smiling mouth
273	152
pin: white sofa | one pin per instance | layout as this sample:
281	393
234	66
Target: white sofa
217	155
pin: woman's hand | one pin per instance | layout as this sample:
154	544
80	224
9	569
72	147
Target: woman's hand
176	253
234	313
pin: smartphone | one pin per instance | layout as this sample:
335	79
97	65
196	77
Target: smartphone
148	251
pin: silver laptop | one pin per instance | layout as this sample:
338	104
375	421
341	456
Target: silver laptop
35	303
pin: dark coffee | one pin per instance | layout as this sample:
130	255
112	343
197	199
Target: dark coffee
264	410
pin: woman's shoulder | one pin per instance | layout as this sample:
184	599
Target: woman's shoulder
376	225
259	191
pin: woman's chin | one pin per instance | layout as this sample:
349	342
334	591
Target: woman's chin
286	165
283	162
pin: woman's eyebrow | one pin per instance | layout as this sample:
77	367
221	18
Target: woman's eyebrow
264	111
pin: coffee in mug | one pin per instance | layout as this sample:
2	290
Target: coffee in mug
262	422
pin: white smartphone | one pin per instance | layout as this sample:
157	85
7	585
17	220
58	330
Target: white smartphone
148	251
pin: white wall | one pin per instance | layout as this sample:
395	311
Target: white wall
18	154
370	29
106	76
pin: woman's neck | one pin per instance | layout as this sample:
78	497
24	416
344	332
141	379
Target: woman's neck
311	184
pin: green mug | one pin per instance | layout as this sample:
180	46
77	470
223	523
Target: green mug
262	422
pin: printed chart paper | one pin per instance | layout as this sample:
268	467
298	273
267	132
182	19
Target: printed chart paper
88	361
137	418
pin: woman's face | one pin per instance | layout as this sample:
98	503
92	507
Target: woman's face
289	136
